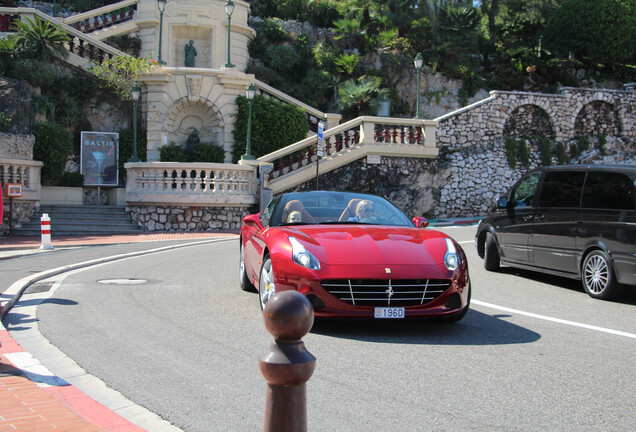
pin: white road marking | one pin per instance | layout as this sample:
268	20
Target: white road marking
556	320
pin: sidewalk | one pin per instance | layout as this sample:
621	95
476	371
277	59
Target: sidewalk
33	399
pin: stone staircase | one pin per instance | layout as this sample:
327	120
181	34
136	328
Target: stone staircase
81	220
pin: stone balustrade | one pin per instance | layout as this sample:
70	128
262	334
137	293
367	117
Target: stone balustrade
24	172
366	135
82	48
191	184
104	17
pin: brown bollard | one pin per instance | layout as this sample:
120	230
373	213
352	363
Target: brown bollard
288	365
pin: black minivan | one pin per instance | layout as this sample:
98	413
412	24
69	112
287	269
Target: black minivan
577	221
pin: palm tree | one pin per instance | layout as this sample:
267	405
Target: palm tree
362	96
41	39
9	49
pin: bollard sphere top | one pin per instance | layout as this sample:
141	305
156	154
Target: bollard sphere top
288	315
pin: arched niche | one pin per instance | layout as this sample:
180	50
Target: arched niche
187	115
597	118
529	120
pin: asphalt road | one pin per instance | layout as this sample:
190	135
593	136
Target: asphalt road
534	353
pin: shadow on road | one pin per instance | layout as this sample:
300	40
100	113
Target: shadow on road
475	329
627	297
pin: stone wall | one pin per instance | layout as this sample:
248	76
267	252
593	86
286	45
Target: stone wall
167	218
472	169
16	146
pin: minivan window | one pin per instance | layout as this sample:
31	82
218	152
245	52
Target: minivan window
524	193
607	190
562	189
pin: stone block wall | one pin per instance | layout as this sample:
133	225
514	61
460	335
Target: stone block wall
177	219
472	169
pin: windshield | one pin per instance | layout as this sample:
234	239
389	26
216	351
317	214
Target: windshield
322	207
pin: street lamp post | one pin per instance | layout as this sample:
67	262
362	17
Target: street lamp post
136	93
162	7
249	94
418	67
229	9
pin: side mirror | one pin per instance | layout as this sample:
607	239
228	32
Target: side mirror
253	220
502	202
420	222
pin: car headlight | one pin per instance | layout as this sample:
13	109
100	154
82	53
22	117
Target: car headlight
451	258
301	256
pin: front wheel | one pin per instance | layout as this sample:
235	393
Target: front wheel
245	283
491	254
598	276
266	288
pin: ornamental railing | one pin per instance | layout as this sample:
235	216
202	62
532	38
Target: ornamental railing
104	17
81	45
349	141
24	172
190	184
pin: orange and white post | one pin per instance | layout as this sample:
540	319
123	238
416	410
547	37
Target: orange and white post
45	224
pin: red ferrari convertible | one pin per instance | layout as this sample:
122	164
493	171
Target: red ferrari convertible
353	255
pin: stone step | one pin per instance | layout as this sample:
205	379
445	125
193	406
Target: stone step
81	220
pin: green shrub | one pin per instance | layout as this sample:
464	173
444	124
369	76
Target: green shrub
5	122
72	179
524	153
272	30
172	153
584	142
283	59
545	146
208	153
560	153
202	152
321	13
53	146
511	151
274	125
602	140
575	150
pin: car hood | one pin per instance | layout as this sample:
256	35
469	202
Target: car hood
371	245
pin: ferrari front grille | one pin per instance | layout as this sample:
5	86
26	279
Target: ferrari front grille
373	292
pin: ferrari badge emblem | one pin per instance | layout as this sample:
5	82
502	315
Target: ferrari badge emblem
387	270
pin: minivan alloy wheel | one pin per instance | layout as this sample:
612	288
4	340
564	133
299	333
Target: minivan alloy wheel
598	276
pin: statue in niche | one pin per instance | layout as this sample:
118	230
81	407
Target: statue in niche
193	139
190	54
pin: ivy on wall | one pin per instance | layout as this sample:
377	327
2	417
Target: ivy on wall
274	125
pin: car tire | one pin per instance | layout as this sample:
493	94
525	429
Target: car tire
598	277
491	254
245	283
462	313
266	287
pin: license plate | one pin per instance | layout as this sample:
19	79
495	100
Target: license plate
389	312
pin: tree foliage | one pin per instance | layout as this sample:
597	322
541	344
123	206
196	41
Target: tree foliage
601	31
53	146
120	73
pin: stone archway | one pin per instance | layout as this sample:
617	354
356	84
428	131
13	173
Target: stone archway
528	120
597	118
186	115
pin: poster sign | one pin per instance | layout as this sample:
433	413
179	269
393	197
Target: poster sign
100	157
